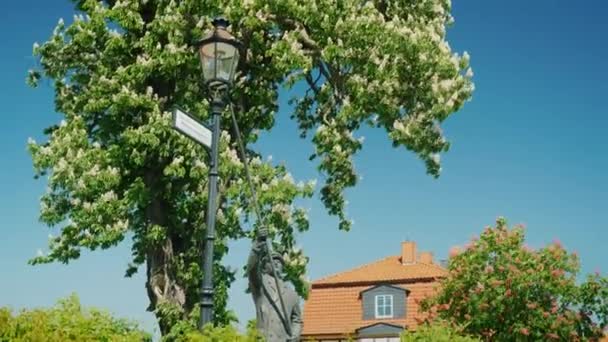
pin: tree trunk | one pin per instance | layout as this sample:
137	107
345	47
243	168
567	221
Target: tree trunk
162	286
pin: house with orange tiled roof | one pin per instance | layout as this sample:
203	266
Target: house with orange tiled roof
373	302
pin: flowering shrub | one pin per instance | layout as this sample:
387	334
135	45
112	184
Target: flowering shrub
67	321
500	289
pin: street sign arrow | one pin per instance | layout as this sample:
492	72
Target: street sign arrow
191	127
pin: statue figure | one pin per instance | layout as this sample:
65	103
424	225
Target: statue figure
274	324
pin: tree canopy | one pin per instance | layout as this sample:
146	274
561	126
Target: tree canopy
115	168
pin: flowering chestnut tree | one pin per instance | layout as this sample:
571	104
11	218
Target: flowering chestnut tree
115	167
501	290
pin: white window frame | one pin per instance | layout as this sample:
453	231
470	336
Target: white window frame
392	306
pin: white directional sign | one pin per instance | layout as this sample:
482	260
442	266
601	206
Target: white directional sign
191	127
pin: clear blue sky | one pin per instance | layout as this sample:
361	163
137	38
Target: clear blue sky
530	146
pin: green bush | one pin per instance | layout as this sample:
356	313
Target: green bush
221	334
67	321
436	332
188	333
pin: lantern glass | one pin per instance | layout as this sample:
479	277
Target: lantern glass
219	61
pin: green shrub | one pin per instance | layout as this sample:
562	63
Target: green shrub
186	331
66	321
436	332
221	334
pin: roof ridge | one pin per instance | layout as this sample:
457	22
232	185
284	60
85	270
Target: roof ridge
436	266
354	269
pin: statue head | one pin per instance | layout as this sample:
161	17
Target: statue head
278	262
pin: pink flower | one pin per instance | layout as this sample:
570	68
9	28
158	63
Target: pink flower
454	251
489	269
531	306
524	331
557	243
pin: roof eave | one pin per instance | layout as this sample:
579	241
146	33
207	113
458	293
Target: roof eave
376	282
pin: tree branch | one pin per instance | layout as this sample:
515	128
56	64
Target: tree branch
304	37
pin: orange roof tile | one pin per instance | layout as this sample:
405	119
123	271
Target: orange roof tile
389	269
337	311
334	305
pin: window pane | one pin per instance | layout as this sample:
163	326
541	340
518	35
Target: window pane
384	306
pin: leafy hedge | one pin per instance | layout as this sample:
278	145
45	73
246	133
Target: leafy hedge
436	332
221	334
67	321
186	331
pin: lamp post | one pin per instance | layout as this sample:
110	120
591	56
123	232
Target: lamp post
219	55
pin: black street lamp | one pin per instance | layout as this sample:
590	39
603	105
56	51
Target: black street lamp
219	54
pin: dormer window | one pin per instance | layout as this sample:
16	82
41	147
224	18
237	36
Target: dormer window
384	301
384	306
